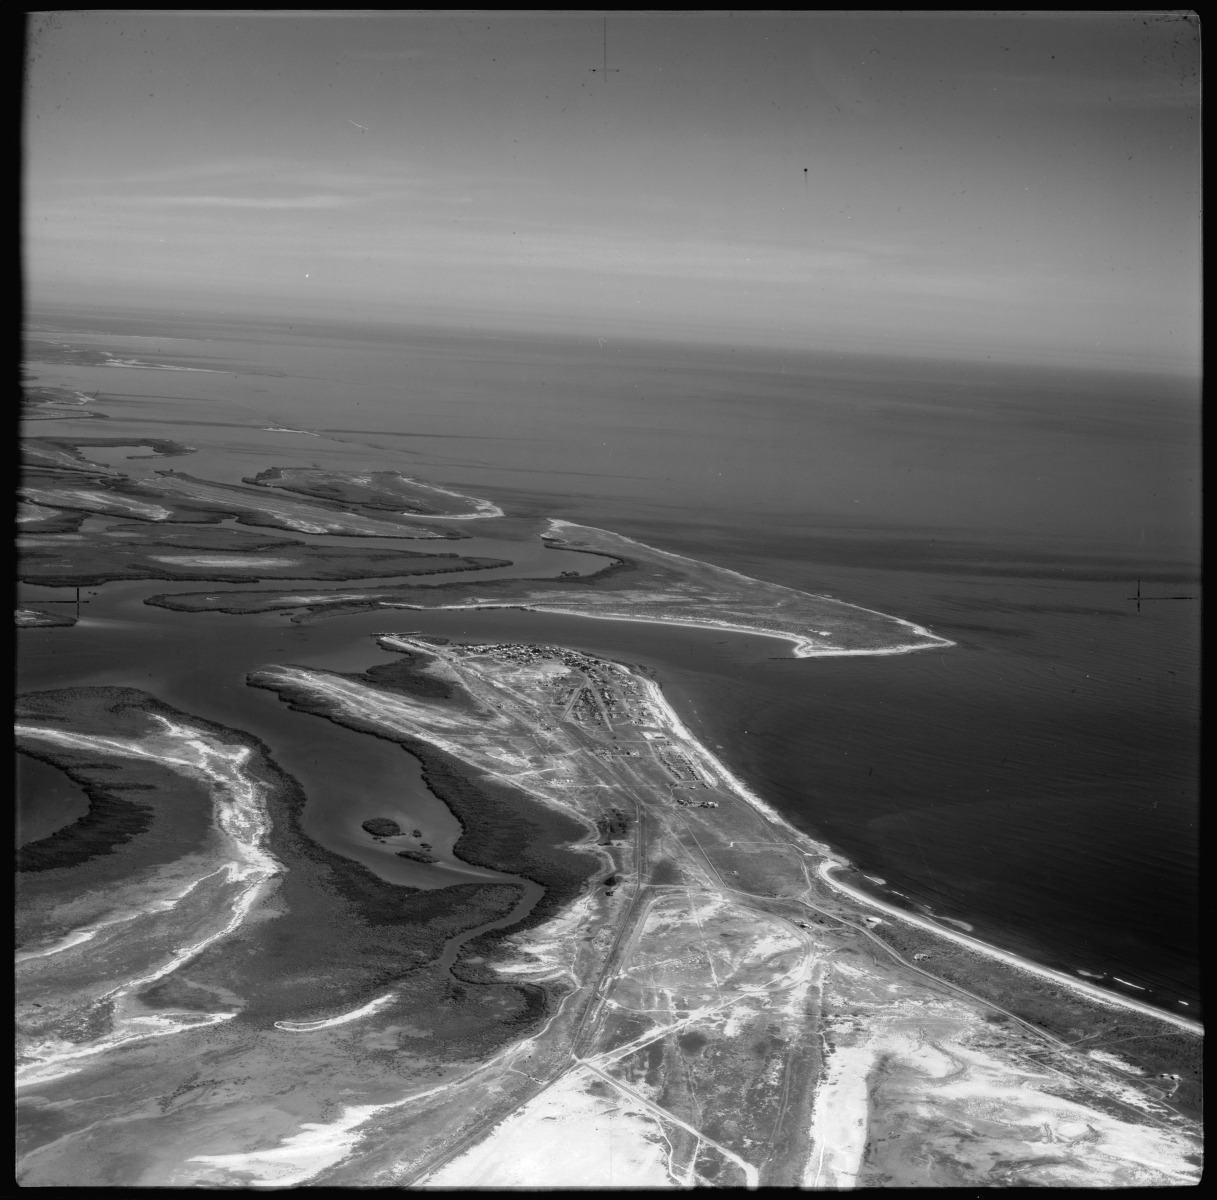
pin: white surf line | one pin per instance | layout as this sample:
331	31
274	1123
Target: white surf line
329	1022
802	647
667	716
556	523
244	822
961	924
752	1176
478	516
835	862
485	508
81	335
825	872
132	365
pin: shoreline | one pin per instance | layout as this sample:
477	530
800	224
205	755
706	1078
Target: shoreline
557	522
486	509
655	694
802	647
1090	990
280	478
799	641
836	861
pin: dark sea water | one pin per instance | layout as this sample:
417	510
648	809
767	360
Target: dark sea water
1038	780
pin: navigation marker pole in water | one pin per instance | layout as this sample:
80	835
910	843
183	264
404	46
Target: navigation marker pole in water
1138	597
78	602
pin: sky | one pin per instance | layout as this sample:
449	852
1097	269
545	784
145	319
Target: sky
986	186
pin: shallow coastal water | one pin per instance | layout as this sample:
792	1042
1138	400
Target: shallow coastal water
1037	780
46	800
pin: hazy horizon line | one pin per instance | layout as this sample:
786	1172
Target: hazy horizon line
496	322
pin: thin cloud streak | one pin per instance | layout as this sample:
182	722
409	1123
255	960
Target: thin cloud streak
250	202
254	173
885	275
1048	91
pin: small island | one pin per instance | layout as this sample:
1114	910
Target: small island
379	492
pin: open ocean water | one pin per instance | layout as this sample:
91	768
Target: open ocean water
1037	781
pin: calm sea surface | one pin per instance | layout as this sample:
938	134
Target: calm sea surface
1038	780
